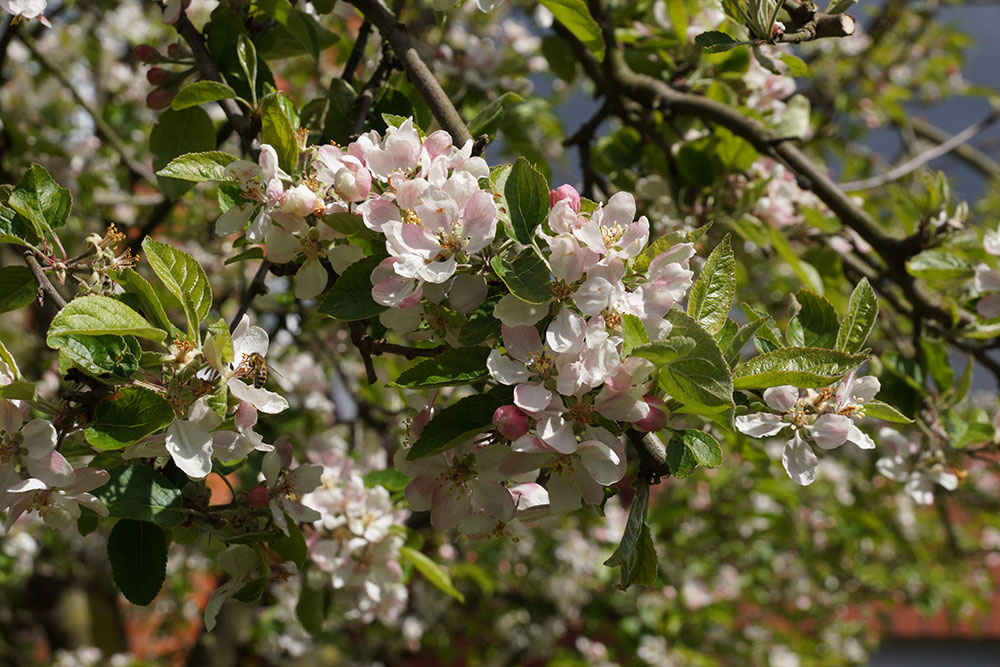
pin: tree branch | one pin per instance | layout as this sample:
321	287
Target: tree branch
919	160
43	280
357	52
416	70
652	454
974	157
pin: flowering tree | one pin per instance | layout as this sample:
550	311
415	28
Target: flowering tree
382	355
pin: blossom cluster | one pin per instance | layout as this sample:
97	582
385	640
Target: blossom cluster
987	279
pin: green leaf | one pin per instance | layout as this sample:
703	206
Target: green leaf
40	200
885	412
339	115
136	491
98	315
711	295
457	366
633	526
481	326
201	92
526	277
458	423
7	363
223	339
743	336
939	265
279	132
133	283
247	55
816	320
714	41
703	447
634	332
351	224
576	17
17	287
489	117
796	66
636	554
433	572
859	319
527	193
802	367
680	460
310	610
100	355
128	416
184	277
138	554
390	478
666	242
177	133
291	547
699	378
350	298
13	229
254	252
198	167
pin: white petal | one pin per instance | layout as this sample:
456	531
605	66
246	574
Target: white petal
800	461
760	424
190	446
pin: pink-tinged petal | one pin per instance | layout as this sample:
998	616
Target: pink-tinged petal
590	235
986	279
532	397
665	262
557	433
395	291
605	465
448	506
310	281
989	306
190	446
26	485
406	239
259	227
865	388
635	237
378	211
781	398
760	424
565	193
860	438
11	418
620	210
565	332
172	11
51	468
437	210
438	273
991	242
564	496
39	438
92	503
628	406
268	161
830	431
513	312
519	463
522	343
800	461
494	498
562	218
234	219
301	513
594	295
529	496
437	143
262	399
282	247
480	218
505	370
408	191
568	260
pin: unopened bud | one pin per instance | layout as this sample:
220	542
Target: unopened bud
567	192
258	496
157	76
175	50
510	422
159	98
145	53
657	417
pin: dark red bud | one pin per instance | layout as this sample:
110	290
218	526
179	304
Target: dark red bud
657	417
258	496
157	76
175	50
159	98
510	422
145	53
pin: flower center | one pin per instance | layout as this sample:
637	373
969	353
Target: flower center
611	234
541	365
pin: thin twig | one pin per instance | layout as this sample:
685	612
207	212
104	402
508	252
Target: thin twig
43	280
416	70
364	102
974	157
919	160
102	127
357	52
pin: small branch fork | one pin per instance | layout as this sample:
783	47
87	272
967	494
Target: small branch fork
43	279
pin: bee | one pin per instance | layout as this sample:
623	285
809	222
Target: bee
254	366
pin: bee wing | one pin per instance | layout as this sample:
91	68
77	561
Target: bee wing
270	369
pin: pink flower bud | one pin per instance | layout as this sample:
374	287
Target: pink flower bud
510	422
567	192
175	50
284	449
145	53
157	76
657	417
258	496
159	98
